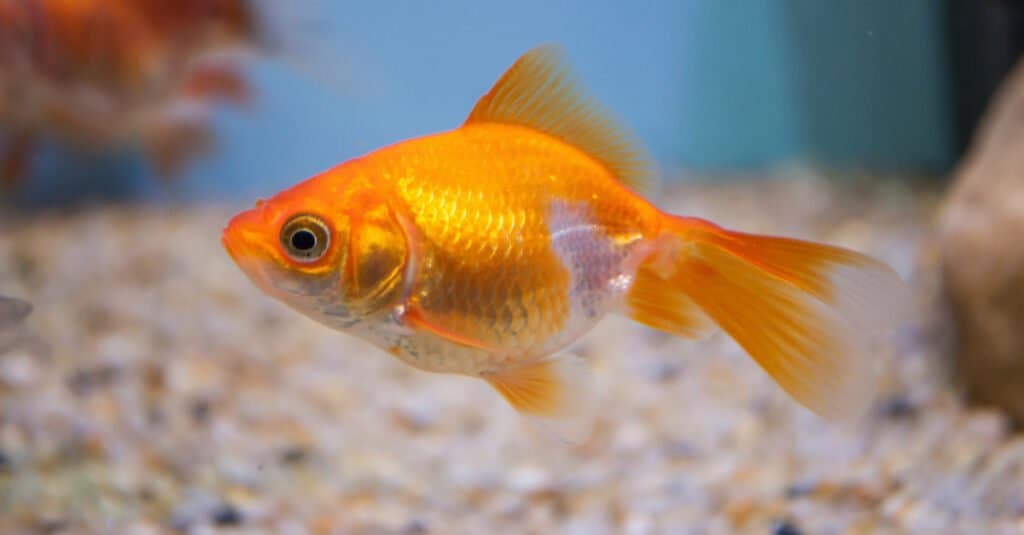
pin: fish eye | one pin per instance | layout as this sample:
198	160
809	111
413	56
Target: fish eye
305	238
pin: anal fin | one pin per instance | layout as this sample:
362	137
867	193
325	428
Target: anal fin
554	394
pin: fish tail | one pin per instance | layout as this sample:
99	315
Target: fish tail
806	312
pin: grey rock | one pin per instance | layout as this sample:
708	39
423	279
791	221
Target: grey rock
983	255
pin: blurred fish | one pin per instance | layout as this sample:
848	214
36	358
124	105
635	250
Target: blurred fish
103	74
487	249
13	312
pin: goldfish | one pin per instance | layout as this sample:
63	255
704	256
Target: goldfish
103	74
487	250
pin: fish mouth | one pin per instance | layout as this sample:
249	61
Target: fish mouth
243	239
234	245
250	239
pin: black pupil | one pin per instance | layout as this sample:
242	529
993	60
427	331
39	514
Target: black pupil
303	240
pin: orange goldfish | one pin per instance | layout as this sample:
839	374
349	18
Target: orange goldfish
109	73
487	249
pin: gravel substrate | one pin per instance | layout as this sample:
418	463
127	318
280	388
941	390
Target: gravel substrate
157	391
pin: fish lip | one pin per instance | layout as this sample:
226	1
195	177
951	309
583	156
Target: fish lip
246	253
232	243
238	235
242	238
245	240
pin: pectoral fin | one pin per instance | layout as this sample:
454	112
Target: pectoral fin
417	319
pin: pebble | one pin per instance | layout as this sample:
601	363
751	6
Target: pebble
898	408
271	423
227	515
528	478
785	527
294	455
18	370
415	417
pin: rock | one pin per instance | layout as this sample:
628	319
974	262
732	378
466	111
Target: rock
897	407
784	527
414	417
273	424
227	515
528	478
13	311
18	370
294	455
983	255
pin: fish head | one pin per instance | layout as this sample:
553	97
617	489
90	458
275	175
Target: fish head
336	254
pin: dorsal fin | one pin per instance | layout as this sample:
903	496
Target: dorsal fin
539	91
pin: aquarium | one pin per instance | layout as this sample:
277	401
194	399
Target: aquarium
577	267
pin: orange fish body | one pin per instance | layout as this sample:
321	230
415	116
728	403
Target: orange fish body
487	249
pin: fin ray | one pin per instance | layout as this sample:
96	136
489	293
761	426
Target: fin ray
671	312
538	91
554	394
418	319
806	312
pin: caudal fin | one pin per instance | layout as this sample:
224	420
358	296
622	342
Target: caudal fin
806	312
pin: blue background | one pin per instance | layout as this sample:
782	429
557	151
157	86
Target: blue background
713	86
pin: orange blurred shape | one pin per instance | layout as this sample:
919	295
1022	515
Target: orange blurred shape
103	74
